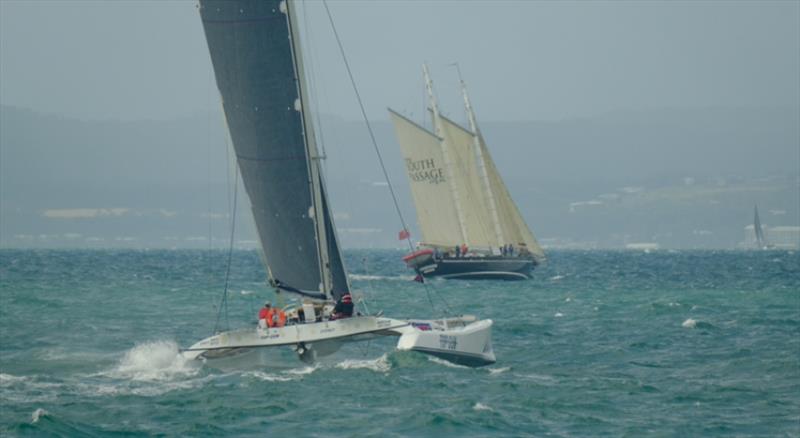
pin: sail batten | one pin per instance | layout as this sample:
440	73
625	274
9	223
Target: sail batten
254	51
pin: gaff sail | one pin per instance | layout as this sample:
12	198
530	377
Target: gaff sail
256	56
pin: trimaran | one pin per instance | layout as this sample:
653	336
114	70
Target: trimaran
471	227
256	55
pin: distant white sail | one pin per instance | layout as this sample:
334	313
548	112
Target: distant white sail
761	242
424	164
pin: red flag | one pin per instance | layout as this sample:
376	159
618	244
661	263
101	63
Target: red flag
403	235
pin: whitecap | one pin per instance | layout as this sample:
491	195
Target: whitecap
379	365
481	407
567	300
37	414
8	378
494	371
558	315
556	277
158	360
270	377
689	323
303	371
436	360
539	378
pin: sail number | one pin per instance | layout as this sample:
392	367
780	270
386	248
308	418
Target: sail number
448	342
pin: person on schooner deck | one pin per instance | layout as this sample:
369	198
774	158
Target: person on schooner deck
343	308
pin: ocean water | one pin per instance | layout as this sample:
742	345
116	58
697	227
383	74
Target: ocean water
597	344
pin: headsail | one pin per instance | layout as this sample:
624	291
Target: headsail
424	164
255	53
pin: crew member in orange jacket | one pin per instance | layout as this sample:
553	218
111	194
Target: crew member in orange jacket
266	314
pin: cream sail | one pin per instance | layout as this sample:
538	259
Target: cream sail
429	185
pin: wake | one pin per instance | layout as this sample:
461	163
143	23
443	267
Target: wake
154	361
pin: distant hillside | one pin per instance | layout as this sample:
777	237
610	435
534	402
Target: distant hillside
683	178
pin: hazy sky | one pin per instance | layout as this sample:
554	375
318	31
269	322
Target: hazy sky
523	60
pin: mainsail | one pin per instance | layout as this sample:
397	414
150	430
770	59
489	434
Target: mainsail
474	206
513	227
255	51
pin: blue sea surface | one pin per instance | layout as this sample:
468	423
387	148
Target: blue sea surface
599	343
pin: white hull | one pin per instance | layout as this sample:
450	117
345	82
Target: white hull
328	334
460	340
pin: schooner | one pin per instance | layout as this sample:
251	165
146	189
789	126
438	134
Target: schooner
471	227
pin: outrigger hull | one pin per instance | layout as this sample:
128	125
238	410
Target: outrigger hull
471	267
461	340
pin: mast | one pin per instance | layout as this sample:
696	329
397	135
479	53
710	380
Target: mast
315	180
448	163
473	125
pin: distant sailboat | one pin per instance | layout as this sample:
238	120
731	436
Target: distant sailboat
471	228
255	51
761	241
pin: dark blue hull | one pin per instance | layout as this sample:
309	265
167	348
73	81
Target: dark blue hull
478	268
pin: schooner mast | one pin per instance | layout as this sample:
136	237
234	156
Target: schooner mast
476	140
448	162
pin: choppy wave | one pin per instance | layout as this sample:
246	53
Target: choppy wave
37	414
380	364
270	377
8	378
443	362
495	371
481	407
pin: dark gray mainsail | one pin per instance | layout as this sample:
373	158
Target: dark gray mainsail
255	52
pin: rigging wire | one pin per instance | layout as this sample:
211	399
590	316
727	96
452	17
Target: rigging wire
224	302
375	146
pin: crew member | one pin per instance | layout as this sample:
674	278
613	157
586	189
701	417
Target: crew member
344	307
265	314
